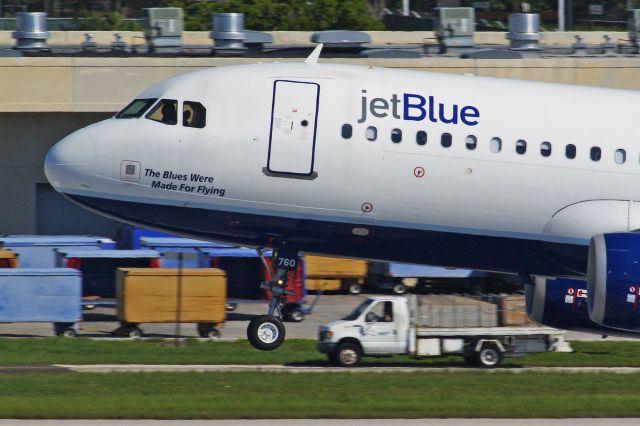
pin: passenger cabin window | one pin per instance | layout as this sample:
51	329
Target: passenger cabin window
595	153
372	133
445	140
471	142
194	114
570	151
545	149
621	156
136	108
396	136
165	111
496	145
521	146
347	131
421	138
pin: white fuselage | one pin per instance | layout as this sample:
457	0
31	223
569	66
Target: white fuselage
273	148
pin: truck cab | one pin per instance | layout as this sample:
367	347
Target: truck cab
378	326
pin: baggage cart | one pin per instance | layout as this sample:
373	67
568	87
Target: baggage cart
169	295
42	295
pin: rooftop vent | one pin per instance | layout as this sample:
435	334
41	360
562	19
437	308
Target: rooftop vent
31	31
228	33
163	29
454	26
524	31
341	39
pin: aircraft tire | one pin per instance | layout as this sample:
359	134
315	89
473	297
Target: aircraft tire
266	332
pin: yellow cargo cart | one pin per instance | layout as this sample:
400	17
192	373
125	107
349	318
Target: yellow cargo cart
170	295
8	259
334	274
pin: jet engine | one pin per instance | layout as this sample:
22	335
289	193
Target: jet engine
561	303
613	280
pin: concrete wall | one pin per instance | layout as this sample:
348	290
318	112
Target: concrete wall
107	84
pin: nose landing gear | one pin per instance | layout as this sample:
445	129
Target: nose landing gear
266	332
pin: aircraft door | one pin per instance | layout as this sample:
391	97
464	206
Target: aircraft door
292	138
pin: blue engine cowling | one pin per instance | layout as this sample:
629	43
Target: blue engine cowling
613	280
562	303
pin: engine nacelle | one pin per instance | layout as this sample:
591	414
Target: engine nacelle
613	280
561	303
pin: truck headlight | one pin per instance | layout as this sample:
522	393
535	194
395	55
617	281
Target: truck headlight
326	335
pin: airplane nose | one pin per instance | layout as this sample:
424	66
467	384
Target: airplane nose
71	161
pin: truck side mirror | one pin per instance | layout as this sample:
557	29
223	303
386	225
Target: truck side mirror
371	317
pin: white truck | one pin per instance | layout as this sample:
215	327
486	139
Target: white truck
383	326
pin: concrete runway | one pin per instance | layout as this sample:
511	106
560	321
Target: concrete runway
332	422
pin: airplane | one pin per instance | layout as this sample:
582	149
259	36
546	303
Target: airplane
528	178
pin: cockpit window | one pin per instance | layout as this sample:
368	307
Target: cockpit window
136	108
165	111
194	114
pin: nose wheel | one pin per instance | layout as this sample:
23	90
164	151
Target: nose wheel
266	332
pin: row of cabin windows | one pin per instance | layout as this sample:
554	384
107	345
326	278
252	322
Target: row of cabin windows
495	144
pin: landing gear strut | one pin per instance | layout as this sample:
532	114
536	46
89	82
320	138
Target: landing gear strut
266	332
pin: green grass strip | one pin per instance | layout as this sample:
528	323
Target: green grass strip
330	395
43	351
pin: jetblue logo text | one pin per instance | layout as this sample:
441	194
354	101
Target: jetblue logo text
414	107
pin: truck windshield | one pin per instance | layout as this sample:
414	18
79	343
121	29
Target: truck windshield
358	311
136	108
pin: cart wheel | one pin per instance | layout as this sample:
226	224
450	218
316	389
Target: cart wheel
297	315
69	332
213	334
265	332
208	331
489	356
230	307
354	288
399	288
134	333
348	355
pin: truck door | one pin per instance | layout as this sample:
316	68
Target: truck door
380	331
292	138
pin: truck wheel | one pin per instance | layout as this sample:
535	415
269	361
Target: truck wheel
399	288
489	356
348	355
265	332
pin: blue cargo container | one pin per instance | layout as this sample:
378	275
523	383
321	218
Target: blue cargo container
42	295
243	267
98	267
35	251
171	247
399	277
